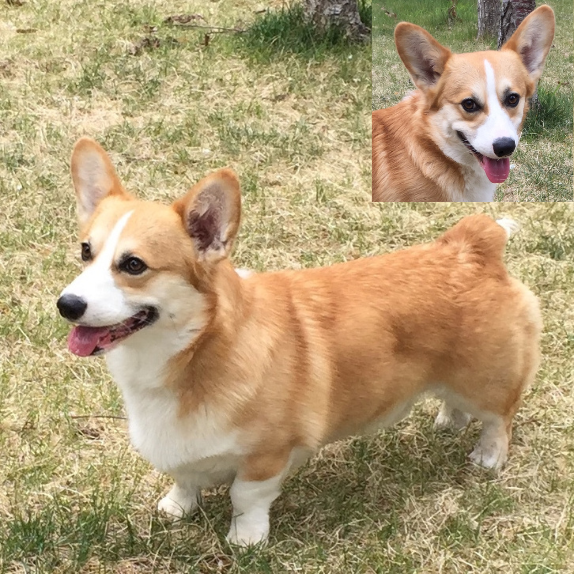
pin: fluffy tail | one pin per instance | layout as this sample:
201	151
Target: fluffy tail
509	225
243	273
482	234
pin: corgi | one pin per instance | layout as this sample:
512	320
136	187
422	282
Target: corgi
451	139
239	379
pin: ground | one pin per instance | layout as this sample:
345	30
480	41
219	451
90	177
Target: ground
75	497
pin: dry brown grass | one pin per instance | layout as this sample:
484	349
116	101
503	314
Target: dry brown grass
75	496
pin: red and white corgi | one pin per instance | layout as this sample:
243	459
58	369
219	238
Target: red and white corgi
451	139
230	379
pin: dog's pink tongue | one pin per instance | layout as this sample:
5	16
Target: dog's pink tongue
496	170
82	341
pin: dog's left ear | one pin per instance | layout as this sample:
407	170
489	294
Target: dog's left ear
532	40
210	213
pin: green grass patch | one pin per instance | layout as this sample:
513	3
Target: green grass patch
433	16
284	31
552	115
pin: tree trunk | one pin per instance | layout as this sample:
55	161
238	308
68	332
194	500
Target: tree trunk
341	13
488	17
513	12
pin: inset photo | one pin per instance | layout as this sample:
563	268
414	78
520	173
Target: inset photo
472	101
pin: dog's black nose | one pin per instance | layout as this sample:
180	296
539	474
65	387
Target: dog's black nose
503	146
71	307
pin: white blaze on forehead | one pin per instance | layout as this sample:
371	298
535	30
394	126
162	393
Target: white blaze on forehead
106	302
106	256
498	123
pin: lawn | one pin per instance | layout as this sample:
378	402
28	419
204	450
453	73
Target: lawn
542	165
293	120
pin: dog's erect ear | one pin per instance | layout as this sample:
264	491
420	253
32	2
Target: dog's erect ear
210	213
532	40
422	55
94	177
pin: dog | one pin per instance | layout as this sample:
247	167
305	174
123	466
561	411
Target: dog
451	139
238	380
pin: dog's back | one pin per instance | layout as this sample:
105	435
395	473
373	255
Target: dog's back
380	331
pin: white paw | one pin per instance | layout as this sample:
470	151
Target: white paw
244	534
443	420
491	457
451	419
175	510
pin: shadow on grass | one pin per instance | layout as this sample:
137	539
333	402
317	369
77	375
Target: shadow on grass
379	474
366	487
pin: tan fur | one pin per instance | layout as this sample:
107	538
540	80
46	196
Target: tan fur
408	163
293	360
301	358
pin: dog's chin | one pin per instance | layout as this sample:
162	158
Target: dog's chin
86	341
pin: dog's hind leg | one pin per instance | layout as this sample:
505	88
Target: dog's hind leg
491	450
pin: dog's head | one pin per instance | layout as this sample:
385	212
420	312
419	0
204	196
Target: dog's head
147	266
478	101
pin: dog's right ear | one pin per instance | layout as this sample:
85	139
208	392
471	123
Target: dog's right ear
422	55
210	214
94	177
532	40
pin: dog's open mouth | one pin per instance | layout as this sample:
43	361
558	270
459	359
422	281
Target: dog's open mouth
496	170
88	341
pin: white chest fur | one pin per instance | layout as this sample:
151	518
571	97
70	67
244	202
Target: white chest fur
157	431
477	186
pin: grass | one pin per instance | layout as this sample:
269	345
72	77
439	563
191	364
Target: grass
285	31
75	496
542	164
551	116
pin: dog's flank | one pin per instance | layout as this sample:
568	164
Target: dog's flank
451	140
240	379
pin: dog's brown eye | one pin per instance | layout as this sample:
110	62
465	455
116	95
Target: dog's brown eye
469	105
86	252
133	266
512	100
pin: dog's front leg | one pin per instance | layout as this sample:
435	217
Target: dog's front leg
181	500
253	491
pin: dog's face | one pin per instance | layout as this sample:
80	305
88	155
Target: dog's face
481	108
478	101
147	265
